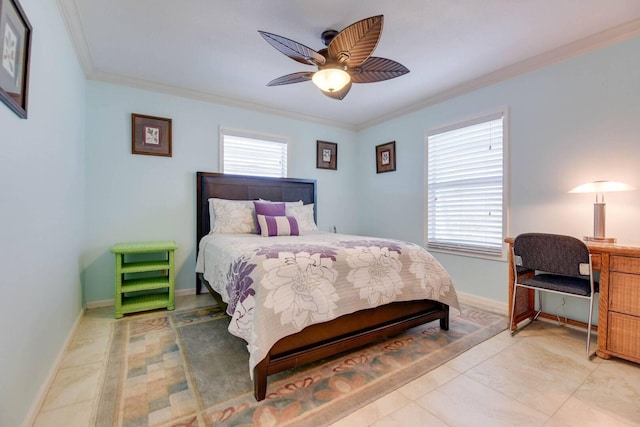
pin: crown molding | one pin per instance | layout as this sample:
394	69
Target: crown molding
208	97
71	17
579	47
75	29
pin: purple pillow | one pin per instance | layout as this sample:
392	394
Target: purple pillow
278	226
268	209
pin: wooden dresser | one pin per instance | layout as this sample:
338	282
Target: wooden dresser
619	299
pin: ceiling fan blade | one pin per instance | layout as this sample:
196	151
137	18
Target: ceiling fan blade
353	45
377	69
300	77
339	94
294	50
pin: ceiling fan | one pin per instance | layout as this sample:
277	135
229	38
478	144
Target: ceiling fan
346	59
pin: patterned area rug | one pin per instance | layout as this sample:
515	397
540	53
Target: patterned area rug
183	368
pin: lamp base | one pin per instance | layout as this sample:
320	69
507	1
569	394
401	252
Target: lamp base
600	239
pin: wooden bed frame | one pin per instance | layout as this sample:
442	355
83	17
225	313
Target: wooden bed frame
321	340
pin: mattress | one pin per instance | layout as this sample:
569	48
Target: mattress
277	286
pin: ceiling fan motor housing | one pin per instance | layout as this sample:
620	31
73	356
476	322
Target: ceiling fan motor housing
327	36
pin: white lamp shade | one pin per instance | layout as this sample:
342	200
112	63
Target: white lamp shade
601	187
331	79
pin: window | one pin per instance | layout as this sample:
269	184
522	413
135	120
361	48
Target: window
465	186
247	153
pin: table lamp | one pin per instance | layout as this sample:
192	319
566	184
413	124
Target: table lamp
600	187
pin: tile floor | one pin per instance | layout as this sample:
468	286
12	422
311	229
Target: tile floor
540	377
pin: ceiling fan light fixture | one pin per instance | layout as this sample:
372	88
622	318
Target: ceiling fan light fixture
331	79
347	58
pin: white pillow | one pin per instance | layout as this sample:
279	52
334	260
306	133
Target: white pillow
304	216
212	215
232	216
212	212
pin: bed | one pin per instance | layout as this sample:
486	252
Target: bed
336	321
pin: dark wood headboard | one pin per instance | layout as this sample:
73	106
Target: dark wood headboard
239	187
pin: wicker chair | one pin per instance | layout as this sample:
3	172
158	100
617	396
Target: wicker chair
553	263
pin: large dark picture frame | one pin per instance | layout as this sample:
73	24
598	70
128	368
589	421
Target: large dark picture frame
15	51
326	155
150	135
386	157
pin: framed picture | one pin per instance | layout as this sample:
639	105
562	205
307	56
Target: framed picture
15	50
150	135
326	155
386	157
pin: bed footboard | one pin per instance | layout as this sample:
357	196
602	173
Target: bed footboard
284	355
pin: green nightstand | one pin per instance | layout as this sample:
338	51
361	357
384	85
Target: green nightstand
145	279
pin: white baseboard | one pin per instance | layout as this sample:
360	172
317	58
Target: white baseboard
465	298
44	388
484	303
101	303
111	302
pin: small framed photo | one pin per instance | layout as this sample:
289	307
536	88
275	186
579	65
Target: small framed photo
386	157
150	135
15	51
326	155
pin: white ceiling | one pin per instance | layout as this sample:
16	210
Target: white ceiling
211	49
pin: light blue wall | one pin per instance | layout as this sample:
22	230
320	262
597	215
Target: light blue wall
42	215
69	194
137	197
570	123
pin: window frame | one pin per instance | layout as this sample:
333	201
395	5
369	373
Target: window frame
242	133
458	124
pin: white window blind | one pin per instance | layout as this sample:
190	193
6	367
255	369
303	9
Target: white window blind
465	187
243	153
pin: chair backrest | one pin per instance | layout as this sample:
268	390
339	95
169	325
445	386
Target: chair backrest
552	253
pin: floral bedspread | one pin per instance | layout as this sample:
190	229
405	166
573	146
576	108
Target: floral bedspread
276	286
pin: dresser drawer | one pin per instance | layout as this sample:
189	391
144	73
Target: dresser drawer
624	293
625	264
624	335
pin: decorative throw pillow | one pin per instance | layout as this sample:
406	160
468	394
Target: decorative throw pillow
304	215
278	226
233	216
268	209
287	204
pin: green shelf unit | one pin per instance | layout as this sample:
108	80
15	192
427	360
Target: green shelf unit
134	304
135	289
144	266
146	284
